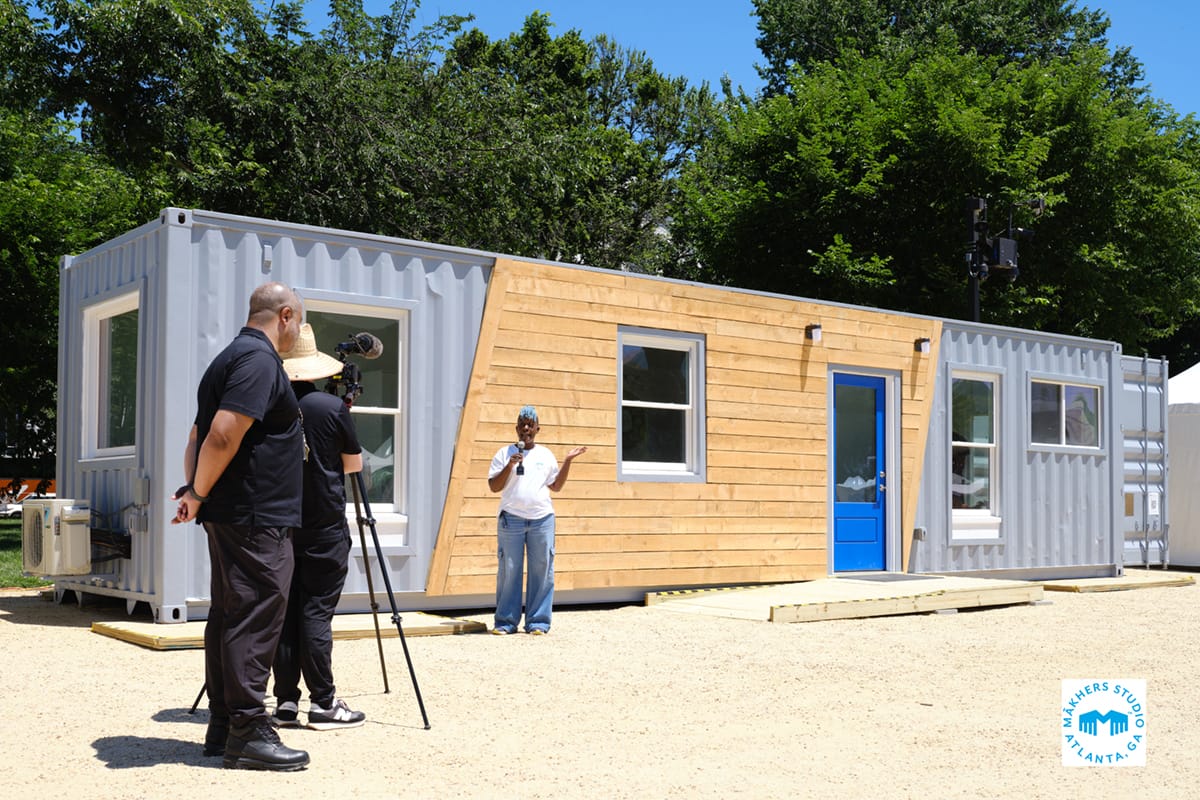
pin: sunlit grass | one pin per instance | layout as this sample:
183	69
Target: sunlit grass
10	556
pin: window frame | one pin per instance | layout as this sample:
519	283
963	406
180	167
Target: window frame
693	469
95	361
977	525
1062	446
391	518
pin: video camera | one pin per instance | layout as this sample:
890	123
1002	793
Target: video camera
347	382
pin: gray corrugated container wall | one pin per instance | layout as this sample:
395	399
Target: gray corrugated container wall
187	265
1058	505
1145	524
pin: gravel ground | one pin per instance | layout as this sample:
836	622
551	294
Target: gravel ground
634	702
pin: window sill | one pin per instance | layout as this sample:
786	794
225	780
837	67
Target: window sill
109	459
1067	449
392	529
974	528
660	477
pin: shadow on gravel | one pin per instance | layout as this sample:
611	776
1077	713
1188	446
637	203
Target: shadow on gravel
134	752
40	609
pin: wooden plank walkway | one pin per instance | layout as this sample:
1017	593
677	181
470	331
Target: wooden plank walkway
848	597
1136	578
190	635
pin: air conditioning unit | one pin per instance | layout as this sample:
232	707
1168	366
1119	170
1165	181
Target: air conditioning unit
56	537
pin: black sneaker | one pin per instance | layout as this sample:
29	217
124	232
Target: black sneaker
215	736
259	748
335	717
285	715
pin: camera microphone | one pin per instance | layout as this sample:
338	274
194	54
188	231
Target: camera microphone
521	452
367	345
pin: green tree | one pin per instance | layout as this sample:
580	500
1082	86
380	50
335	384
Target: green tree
592	139
850	185
374	124
125	65
55	198
799	34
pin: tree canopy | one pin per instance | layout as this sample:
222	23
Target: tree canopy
843	179
847	180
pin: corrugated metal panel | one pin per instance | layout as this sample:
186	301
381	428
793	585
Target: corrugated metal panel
1056	504
1144	431
195	271
124	265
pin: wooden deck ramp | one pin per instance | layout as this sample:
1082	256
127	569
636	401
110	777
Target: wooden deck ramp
849	597
190	635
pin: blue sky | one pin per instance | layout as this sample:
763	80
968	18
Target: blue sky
706	39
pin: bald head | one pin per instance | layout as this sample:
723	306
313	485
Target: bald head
268	300
277	311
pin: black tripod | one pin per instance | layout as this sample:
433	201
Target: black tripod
360	497
361	504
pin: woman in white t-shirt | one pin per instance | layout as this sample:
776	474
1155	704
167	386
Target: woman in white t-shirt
524	474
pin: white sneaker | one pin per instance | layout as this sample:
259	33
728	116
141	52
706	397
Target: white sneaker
339	716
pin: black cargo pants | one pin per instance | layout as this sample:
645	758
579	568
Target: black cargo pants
251	571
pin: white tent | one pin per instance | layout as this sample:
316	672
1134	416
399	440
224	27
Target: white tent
1183	447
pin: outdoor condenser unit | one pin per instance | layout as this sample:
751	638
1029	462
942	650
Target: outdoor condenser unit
56	537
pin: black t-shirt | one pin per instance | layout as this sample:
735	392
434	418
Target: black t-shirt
262	484
330	433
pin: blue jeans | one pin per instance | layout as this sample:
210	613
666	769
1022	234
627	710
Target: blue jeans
516	535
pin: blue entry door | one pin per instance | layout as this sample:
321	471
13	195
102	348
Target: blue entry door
860	479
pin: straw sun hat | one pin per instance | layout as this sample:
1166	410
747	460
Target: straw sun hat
305	362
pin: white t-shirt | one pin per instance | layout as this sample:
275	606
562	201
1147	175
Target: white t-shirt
526	496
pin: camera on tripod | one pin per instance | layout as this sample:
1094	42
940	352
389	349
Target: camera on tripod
347	383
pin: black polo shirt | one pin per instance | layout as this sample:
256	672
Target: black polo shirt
262	484
330	433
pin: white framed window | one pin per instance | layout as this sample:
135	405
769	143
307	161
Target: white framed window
1064	414
111	377
660	383
974	456
378	409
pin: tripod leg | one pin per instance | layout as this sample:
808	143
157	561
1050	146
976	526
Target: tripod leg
361	489
354	485
203	689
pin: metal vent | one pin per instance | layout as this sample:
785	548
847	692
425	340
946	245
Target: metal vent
35	555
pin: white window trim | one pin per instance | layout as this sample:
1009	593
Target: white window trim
976	525
1061	446
93	316
693	469
391	525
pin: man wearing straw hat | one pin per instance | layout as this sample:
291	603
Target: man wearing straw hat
321	546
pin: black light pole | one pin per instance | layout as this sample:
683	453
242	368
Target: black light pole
986	254
977	266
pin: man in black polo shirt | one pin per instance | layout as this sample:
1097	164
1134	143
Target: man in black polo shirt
244	466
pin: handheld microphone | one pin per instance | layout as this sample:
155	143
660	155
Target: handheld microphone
367	345
521	451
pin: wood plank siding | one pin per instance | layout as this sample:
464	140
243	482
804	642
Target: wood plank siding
549	337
